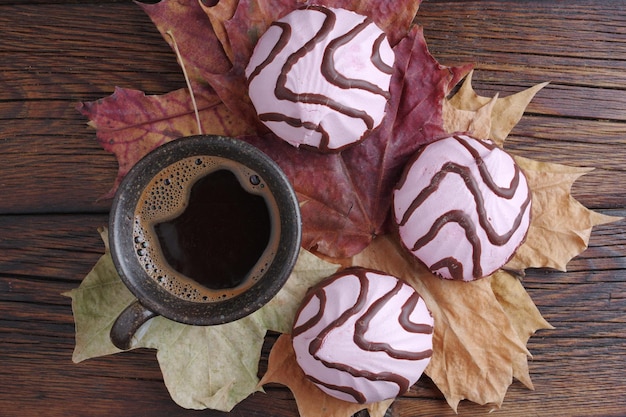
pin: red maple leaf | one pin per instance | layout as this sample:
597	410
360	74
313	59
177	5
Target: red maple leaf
345	197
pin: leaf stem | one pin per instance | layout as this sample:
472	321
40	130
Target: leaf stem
182	65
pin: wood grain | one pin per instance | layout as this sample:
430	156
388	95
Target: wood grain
56	54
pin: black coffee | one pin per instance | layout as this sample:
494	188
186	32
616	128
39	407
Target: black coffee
206	228
221	234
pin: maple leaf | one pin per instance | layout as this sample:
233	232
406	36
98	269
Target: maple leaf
473	331
220	12
312	401
187	21
101	297
560	226
484	117
201	366
554	213
130	124
486	324
345	197
342	216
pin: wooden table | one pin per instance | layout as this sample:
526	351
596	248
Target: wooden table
52	173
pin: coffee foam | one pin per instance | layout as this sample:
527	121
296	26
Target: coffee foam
166	197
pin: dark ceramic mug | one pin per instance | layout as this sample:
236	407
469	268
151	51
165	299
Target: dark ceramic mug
204	230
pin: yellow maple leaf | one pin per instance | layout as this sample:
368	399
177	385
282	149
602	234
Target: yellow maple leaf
560	225
478	344
485	117
560	229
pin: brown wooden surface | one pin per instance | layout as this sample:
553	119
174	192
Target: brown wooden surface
52	171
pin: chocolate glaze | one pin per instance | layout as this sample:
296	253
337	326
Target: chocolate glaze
295	122
462	219
362	326
403	383
454	266
356	394
474	188
321	296
316	344
504	192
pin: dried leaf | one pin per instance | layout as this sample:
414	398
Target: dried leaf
506	112
473	331
311	401
130	124
474	123
345	198
205	61
523	315
202	367
218	14
560	226
519	307
200	47
101	297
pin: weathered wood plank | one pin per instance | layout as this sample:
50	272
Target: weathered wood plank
90	56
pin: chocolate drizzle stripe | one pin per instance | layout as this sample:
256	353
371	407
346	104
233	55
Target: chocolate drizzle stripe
361	326
295	122
310	323
283	93
405	175
333	76
357	395
402	382
280	45
377	59
474	188
316	344
504	192
454	266
405	314
463	220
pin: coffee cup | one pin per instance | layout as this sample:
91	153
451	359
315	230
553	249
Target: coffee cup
203	230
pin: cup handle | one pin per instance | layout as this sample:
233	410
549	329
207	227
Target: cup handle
127	323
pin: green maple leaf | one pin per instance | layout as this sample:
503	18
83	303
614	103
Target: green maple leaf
203	366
